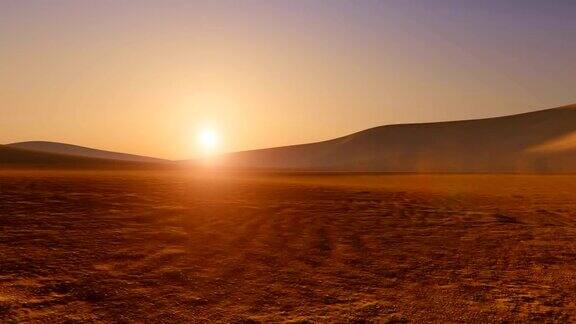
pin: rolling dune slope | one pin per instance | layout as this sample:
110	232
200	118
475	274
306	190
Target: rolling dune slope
69	149
541	141
11	157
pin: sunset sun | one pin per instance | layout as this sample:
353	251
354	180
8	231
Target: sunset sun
208	140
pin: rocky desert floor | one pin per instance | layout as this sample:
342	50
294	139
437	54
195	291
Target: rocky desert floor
175	246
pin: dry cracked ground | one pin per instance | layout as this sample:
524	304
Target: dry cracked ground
253	247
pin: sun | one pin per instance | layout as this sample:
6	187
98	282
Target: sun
208	140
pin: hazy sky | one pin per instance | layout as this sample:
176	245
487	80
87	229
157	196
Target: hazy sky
143	76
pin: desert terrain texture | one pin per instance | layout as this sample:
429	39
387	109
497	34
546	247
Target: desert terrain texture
247	247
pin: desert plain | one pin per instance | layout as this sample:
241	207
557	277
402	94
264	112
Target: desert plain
246	247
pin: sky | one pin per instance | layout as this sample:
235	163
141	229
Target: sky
146	77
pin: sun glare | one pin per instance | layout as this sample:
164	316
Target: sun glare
208	140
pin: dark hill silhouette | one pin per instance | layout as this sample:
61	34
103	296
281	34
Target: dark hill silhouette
11	157
69	149
541	141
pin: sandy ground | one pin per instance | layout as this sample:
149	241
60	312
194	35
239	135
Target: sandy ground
173	247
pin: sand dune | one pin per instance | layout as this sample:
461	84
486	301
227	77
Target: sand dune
541	141
11	157
69	149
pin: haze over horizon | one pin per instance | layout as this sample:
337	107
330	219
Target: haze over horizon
143	77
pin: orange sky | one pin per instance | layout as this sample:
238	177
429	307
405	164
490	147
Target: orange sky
143	76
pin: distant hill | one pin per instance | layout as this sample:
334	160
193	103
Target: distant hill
75	150
11	157
541	141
